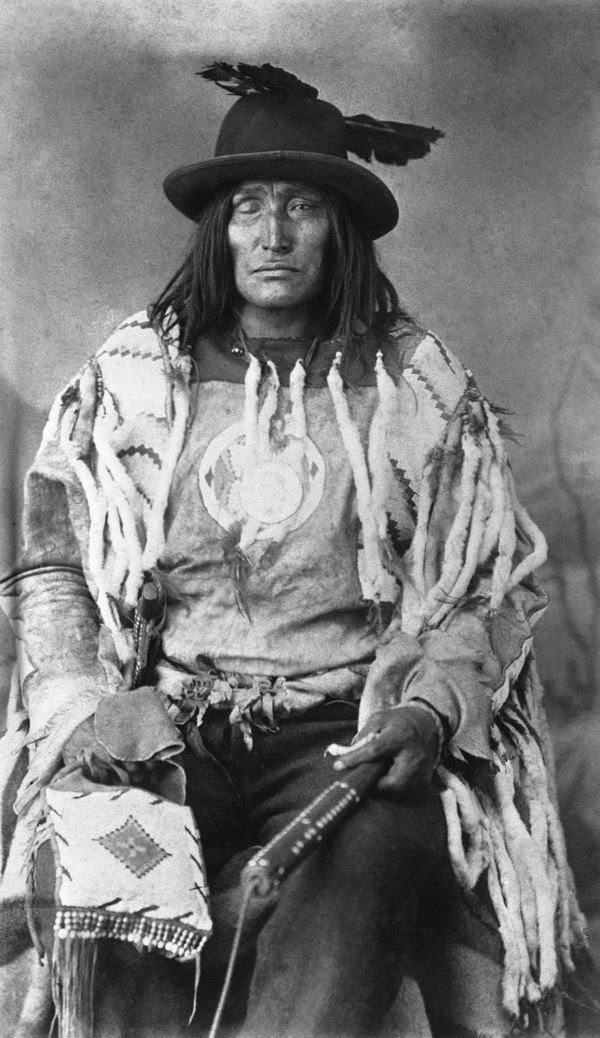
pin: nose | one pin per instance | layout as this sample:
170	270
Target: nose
275	233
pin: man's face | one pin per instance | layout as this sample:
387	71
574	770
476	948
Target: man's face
277	233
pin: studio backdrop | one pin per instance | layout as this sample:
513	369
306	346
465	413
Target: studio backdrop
496	249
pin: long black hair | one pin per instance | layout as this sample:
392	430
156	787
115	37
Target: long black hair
202	296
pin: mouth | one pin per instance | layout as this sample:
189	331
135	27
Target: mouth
276	268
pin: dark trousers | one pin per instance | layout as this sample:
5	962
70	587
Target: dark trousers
330	958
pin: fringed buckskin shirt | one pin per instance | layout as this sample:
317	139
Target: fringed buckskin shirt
319	530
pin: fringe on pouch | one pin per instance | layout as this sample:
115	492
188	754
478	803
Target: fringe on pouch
73	970
77	932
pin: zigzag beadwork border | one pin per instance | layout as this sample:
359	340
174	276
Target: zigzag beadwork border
141	449
436	398
408	492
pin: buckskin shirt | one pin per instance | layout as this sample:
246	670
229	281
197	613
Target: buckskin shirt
262	491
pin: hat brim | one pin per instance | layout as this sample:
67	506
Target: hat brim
189	188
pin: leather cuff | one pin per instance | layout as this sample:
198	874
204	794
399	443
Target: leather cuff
134	726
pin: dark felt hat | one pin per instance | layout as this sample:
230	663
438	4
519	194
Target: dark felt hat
279	130
269	138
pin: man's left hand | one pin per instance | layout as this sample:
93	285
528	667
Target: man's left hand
409	737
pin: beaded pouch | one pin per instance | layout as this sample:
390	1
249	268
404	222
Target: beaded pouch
128	867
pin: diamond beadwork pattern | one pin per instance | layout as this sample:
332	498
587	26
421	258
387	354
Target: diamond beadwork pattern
134	847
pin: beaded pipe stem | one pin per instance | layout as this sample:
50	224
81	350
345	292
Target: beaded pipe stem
265	871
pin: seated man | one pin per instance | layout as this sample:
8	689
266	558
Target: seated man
272	513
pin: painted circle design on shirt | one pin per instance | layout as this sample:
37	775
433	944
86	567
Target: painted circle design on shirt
281	490
270	492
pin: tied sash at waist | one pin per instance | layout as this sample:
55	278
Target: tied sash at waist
254	700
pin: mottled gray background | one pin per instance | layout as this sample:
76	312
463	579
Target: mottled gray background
497	247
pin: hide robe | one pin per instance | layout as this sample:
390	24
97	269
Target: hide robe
434	576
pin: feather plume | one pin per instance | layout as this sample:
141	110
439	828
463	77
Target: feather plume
391	143
245	79
506	431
